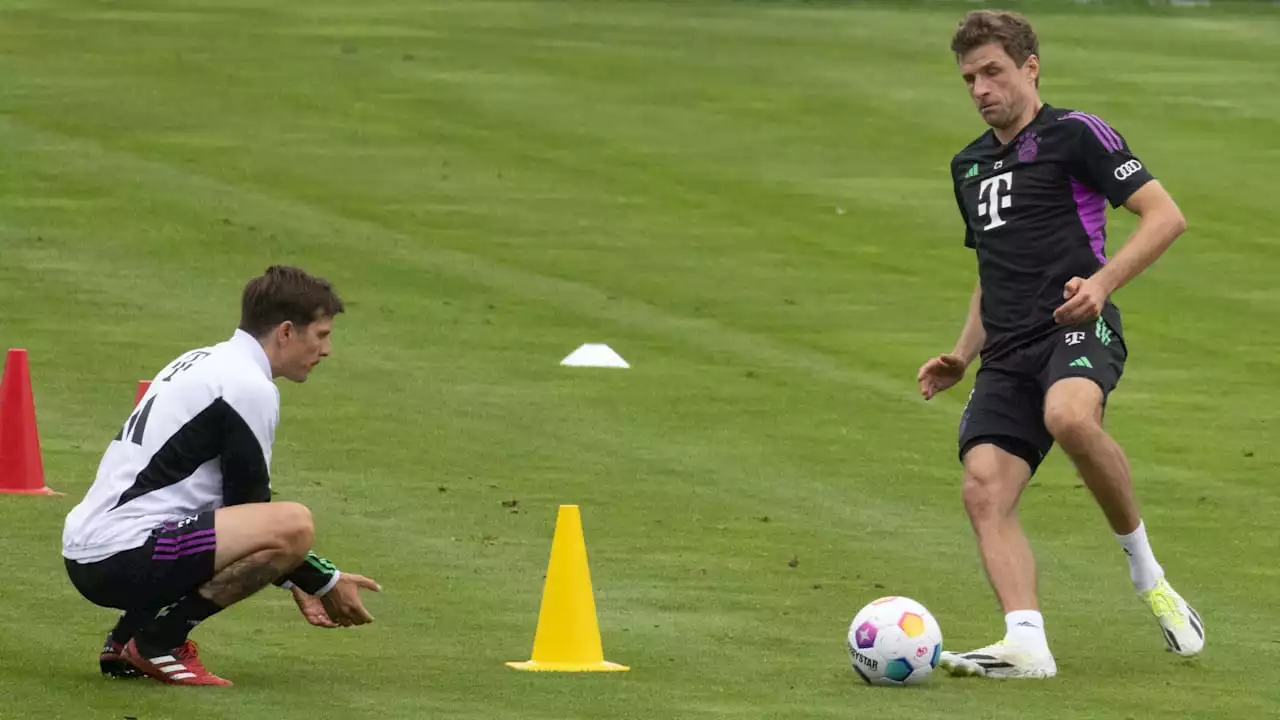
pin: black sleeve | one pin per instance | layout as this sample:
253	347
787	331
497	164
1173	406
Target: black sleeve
969	241
245	478
1102	160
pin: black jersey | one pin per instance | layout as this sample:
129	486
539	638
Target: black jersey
1035	211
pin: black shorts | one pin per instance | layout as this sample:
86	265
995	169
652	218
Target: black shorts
1006	406
175	560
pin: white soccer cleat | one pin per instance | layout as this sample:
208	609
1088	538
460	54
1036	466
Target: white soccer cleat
1183	630
999	661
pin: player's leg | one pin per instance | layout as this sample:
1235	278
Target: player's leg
257	543
1081	375
994	479
111	659
112	582
235	553
1073	414
1001	443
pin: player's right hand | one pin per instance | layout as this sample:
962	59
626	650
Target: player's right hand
940	373
343	604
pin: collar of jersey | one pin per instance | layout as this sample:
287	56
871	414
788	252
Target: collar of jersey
250	345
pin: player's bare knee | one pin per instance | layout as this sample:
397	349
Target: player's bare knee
981	495
1070	426
295	529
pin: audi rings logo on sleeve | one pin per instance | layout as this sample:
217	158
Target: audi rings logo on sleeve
1127	170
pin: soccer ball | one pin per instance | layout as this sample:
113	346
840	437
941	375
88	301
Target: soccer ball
894	641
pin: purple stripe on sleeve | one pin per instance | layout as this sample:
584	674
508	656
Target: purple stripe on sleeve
1100	130
1115	136
1092	208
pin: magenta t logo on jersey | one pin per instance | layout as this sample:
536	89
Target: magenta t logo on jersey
1028	147
865	635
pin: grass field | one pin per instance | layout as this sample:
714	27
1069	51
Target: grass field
750	202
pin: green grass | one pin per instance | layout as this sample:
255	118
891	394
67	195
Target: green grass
750	202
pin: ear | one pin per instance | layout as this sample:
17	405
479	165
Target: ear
1032	66
285	330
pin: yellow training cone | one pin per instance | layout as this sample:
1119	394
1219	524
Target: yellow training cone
568	636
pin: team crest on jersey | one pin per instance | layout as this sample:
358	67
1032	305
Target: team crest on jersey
1028	147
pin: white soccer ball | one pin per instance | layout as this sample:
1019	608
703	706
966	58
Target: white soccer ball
894	641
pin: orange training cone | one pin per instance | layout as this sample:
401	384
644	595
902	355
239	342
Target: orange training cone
143	386
21	470
568	637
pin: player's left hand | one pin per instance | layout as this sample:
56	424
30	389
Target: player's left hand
342	602
1085	298
312	609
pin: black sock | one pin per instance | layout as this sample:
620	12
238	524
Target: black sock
129	623
170	627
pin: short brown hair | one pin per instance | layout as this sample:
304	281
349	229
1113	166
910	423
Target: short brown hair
1011	30
286	293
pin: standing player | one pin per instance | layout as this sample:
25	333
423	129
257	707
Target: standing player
179	524
1032	192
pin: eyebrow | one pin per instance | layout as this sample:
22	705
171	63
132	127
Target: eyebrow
983	66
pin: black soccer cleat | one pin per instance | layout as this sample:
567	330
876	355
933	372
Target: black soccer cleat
113	663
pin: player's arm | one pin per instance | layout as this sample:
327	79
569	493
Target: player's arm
1103	159
941	372
248	429
1161	223
973	336
251	415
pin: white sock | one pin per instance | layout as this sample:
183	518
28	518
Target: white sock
1144	571
1025	629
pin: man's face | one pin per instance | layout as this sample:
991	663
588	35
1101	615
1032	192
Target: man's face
1000	89
303	346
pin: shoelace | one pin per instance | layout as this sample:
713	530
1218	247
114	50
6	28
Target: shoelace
1165	607
188	650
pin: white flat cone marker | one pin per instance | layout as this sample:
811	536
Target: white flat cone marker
595	355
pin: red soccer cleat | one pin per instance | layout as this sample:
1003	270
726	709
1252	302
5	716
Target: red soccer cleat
180	666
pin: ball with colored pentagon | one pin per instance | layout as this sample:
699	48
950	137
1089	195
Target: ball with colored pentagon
894	641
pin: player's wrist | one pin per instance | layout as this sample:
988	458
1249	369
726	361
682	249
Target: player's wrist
1106	280
315	576
333	582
